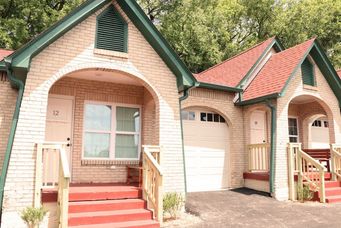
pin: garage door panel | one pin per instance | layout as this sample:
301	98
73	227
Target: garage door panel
206	151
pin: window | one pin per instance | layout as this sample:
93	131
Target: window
211	117
187	115
326	124
317	123
111	31
293	130
111	132
308	73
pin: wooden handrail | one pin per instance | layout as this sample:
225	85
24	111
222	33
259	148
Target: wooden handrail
307	169
63	179
335	153
259	159
152	182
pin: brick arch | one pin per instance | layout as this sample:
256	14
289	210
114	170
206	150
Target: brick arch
127	69
323	109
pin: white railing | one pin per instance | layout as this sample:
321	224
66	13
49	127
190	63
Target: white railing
335	153
60	176
259	157
309	171
152	180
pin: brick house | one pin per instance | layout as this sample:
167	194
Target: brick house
79	101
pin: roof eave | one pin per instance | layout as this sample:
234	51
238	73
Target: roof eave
218	87
258	99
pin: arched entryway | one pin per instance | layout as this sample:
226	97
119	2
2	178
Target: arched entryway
310	122
207	142
105	116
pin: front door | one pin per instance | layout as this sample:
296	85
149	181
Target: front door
59	121
258	127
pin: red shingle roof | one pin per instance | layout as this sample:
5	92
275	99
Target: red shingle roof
4	53
339	72
275	73
231	71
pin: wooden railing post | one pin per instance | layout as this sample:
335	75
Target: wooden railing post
300	168
333	162
291	172
39	176
322	192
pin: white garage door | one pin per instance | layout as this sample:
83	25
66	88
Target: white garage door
206	149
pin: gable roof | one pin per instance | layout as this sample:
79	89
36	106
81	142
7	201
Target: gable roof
275	73
233	70
21	58
273	79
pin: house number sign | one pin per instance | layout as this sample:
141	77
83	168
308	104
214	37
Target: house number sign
55	113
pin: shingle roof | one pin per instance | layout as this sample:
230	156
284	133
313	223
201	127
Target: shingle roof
4	53
276	72
339	72
231	71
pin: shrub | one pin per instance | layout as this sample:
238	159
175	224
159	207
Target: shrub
304	194
172	204
33	216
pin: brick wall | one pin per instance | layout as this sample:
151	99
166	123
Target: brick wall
75	51
222	103
8	97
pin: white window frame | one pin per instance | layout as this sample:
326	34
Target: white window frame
113	131
298	128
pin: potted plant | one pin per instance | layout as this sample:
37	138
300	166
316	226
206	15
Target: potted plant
33	216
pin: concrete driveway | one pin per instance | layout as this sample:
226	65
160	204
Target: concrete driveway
248	208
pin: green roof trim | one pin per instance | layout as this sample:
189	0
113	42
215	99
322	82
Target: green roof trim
325	67
218	87
22	57
274	44
258	99
185	79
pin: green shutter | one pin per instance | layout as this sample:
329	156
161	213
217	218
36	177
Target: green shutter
308	73
111	31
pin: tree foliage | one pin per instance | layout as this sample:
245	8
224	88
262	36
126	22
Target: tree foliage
203	32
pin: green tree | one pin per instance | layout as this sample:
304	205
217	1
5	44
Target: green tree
22	20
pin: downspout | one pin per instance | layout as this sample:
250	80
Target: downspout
272	144
182	98
18	84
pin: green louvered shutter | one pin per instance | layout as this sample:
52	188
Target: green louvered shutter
308	73
111	31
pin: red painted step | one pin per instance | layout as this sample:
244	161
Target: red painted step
332	184
106	205
131	224
333	199
101	217
87	193
333	191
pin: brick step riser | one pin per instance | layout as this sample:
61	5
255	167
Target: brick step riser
104	196
109	219
106	207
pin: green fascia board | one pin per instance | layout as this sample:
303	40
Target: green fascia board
258	99
185	79
325	67
276	44
22	57
218	87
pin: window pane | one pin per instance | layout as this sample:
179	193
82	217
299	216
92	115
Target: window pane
203	116
326	124
222	120
127	119
96	145
209	117
184	115
293	139
126	146
97	117
191	116
216	117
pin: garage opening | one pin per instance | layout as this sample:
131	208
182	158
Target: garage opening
206	139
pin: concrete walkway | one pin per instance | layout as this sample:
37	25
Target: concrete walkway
247	208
